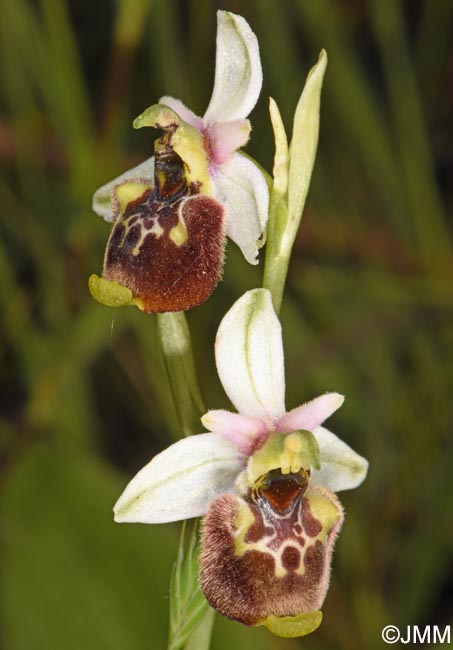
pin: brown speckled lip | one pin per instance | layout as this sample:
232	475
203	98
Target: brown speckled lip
141	255
246	587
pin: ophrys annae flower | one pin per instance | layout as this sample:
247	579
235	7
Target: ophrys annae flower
171	214
263	478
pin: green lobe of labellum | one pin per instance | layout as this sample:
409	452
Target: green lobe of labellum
109	293
184	139
293	626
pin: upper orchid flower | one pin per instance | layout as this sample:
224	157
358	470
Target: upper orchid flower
263	477
171	213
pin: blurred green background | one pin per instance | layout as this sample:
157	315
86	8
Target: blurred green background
368	309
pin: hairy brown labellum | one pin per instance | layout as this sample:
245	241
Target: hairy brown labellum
269	554
167	244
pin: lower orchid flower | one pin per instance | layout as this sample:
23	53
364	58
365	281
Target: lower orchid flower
263	478
171	214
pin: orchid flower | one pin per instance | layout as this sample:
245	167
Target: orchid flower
171	213
263	477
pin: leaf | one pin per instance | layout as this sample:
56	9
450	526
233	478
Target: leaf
187	603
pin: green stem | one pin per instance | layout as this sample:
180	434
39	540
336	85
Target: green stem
176	345
175	339
277	258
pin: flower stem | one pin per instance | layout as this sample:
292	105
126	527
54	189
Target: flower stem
277	258
176	345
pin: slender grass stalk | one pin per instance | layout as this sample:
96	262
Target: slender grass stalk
200	639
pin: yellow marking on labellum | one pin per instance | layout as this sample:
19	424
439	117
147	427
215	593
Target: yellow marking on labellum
244	519
325	511
126	193
156	230
178	234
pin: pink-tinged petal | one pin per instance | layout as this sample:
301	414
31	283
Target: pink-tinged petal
238	73
184	113
311	414
226	137
249	357
242	189
244	431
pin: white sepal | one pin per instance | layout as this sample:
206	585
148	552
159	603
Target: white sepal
102	198
249	356
241	187
341	467
238	73
180	482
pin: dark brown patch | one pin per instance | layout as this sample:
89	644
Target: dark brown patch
117	236
282	494
133	237
169	177
291	558
314	560
258	529
282	491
